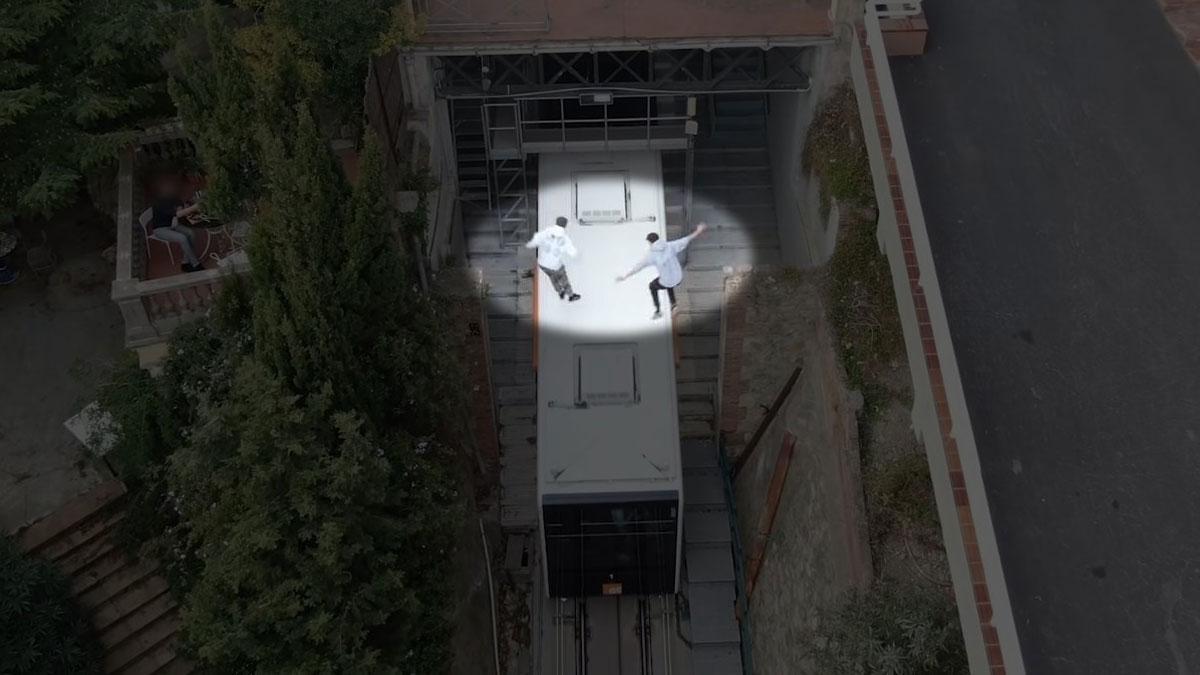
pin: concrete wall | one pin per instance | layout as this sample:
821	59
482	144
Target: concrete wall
818	549
806	239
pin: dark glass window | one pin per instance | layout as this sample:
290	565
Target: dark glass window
628	546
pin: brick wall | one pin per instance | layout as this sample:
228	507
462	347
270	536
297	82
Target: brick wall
972	584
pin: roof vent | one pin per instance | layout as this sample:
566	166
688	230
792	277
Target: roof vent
606	374
601	197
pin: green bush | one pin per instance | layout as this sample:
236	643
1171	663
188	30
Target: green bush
900	494
41	628
889	630
834	151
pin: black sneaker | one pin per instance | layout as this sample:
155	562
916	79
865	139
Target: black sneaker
562	295
656	315
573	298
192	268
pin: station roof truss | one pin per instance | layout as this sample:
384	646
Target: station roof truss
653	72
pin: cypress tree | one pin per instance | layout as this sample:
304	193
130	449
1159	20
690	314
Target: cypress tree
336	303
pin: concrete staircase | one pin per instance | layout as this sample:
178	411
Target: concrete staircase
708	559
127	601
732	192
510	349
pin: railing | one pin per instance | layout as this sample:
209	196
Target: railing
602	129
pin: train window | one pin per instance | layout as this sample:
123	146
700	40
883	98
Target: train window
601	197
591	547
606	374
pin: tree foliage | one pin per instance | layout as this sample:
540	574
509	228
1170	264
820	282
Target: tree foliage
77	79
316	541
892	629
335	301
41	628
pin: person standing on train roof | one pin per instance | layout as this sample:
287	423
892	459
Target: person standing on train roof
664	255
553	247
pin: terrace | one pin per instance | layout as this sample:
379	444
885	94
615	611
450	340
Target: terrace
155	296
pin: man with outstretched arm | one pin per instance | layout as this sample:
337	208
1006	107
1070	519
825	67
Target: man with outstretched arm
554	246
664	255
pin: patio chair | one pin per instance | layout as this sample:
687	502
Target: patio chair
40	257
144	221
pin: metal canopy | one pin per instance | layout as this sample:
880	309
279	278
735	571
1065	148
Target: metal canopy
674	71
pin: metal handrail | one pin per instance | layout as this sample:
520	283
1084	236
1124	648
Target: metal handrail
742	601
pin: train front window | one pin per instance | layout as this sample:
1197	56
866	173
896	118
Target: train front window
603	548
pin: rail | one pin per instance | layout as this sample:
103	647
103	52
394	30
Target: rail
742	598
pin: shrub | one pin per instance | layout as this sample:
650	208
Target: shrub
41	628
889	630
900	494
834	151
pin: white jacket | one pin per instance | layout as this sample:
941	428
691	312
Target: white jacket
553	246
664	255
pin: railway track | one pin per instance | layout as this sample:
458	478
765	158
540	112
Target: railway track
619	635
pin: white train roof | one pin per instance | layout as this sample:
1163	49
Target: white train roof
607	419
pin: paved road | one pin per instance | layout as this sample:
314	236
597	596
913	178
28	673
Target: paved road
1057	150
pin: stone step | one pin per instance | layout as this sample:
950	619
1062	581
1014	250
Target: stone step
515	453
694	391
115	584
517	414
509	328
703	487
736	257
717	176
705	525
729	195
692	428
736	237
712	612
133	598
518	517
154	661
695	410
161	630
699	455
518	433
137	620
516	394
506	374
74	512
707	563
695	300
511	351
700	345
716	659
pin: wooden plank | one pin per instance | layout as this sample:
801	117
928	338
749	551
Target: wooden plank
766	522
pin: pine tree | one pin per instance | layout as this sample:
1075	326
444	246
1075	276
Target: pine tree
77	79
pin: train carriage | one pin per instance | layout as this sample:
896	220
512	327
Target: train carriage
610	491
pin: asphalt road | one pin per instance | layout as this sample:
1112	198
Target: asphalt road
1057	151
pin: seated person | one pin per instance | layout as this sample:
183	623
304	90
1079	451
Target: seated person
166	224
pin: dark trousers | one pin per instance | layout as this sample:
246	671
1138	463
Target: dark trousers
655	287
558	277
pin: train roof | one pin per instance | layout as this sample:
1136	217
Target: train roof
607	418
